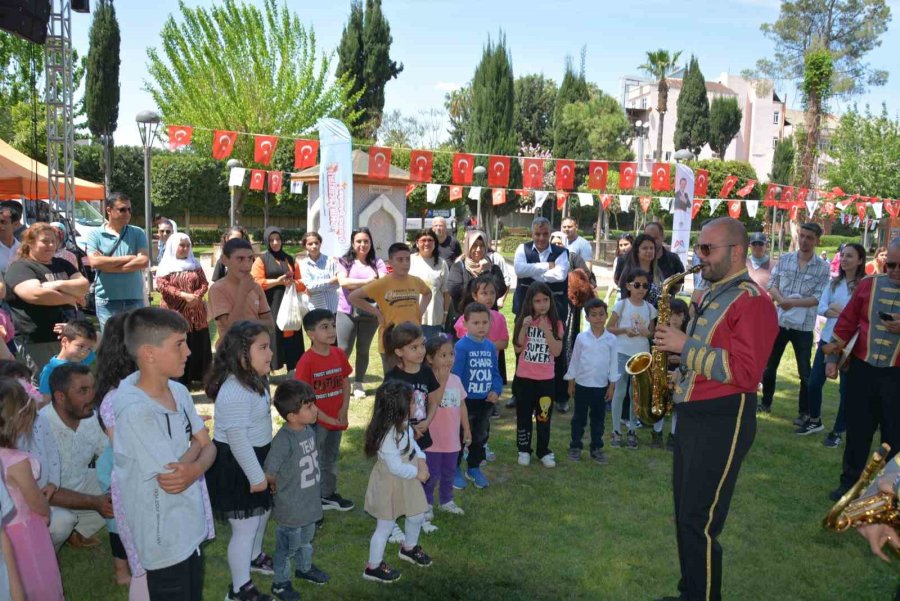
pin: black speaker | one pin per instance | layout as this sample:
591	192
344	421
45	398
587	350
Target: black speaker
26	18
81	6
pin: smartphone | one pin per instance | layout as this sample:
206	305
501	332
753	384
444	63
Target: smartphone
885	316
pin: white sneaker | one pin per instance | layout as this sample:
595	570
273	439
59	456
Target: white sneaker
524	458
548	460
451	507
429	515
428	527
397	535
358	392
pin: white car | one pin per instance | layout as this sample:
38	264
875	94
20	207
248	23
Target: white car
87	218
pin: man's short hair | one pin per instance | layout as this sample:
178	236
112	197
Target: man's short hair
79	328
815	228
540	222
61	376
314	317
473	308
595	303
115	197
572	219
14	208
291	395
151	325
236	244
656	224
397	247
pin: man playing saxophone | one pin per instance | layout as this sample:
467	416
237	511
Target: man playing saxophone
723	355
879	535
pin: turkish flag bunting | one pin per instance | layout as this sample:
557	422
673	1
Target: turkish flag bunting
223	144
420	163
828	208
257	179
379	162
498	171
772	192
747	189
455	193
498	196
645	201
305	152
533	173
837	191
561	196
605	201
409	189
734	209
701	182
794	209
730	182
264	148
787	198
695	207
597	173
276	180
861	210
627	175
661	176
801	194
565	174
892	207
179	136
462	168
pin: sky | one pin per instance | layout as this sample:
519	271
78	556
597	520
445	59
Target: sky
440	42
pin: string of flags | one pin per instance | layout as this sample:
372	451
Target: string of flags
533	170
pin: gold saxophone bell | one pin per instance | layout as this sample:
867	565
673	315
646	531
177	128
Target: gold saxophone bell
852	510
650	392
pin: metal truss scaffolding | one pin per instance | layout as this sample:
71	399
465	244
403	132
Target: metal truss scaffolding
60	123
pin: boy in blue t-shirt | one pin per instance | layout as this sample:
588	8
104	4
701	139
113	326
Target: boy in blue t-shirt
77	340
476	365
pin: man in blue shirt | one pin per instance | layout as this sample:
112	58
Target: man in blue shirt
118	252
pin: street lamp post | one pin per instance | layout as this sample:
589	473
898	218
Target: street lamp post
231	164
640	130
479	171
147	122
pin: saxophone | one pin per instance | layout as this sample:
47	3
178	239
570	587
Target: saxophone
852	511
650	392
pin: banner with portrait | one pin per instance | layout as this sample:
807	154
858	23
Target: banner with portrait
335	186
682	205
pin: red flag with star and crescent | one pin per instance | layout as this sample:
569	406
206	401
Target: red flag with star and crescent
420	164
662	174
533	173
787	198
561	197
379	162
605	201
276	181
747	188
180	136
455	193
223	144
892	207
772	192
645	202
498	172
463	164
627	175
696	206
498	196
264	148
734	209
861	209
701	182
565	174
257	179
730	182
305	152
597	174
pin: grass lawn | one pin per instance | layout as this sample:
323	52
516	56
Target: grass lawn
580	531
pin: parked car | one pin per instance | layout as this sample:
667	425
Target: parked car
87	218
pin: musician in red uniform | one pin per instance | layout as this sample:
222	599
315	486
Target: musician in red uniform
723	356
873	372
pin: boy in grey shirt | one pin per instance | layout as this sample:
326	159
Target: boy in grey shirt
292	469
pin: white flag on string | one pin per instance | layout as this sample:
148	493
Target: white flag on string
539	197
475	192
585	199
296	186
752	206
625	202
877	207
236	178
431	192
714	204
811	206
665	203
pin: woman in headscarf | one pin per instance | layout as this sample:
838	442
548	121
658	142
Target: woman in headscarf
274	270
61	251
182	284
472	263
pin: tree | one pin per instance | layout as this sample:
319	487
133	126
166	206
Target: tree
364	55
866	152
601	124
816	89
783	162
535	104
660	64
244	68
725	117
692	126
459	109
101	88
573	88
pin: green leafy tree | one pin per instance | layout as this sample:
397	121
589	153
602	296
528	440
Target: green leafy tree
459	110
601	124
245	68
783	162
364	54
816	89
725	117
535	104
660	64
101	88
866	151
692	126
574	88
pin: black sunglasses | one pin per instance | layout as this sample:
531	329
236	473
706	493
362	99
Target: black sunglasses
757	244
639	285
123	210
706	249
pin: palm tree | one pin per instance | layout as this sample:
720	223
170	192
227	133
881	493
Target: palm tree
660	64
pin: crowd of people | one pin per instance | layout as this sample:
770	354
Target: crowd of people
145	457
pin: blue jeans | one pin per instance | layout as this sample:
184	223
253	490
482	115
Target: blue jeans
107	308
292	544
814	390
593	400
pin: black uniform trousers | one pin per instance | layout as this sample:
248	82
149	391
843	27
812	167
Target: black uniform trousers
873	402
713	438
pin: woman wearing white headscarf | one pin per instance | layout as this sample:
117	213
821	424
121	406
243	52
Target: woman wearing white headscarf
61	251
182	284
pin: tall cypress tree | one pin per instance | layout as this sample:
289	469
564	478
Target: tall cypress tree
573	88
350	51
101	89
692	127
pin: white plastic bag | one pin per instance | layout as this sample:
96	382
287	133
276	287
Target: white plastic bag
293	307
